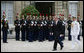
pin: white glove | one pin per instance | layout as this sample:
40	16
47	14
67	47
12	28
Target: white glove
41	25
52	33
61	35
24	24
31	24
34	24
51	24
18	24
44	24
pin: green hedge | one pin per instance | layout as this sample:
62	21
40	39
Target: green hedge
29	9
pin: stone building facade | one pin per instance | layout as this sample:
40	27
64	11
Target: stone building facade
11	8
74	8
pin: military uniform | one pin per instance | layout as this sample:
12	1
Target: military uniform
35	30
46	28
51	36
5	28
31	30
23	29
40	28
75	29
79	34
17	29
43	18
69	29
27	27
82	27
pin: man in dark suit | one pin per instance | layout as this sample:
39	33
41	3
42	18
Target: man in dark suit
57	26
63	28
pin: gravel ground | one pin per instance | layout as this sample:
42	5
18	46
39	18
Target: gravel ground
46	46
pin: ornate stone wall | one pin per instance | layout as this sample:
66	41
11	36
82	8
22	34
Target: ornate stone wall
58	7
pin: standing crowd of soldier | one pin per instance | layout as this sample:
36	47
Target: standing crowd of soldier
33	28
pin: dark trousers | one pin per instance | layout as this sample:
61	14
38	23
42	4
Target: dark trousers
78	37
30	36
47	33
69	36
35	34
4	35
27	33
23	35
57	40
17	35
40	36
44	33
61	38
64	35
51	37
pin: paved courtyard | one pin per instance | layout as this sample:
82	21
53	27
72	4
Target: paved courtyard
46	46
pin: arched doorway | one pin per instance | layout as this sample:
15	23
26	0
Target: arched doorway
45	7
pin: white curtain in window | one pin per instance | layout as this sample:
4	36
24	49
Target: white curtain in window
8	8
73	9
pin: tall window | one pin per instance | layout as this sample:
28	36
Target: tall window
7	6
73	8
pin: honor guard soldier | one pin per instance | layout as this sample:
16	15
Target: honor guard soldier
31	30
82	27
35	28
43	18
5	28
40	28
27	26
80	24
69	28
33	20
23	28
46	27
17	28
51	36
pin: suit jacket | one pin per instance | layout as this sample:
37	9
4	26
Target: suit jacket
57	29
